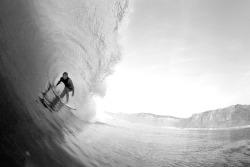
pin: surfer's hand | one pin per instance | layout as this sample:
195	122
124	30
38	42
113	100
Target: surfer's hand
72	93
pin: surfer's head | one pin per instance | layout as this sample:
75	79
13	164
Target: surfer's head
65	75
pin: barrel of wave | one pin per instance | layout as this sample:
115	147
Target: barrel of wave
82	99
47	38
83	78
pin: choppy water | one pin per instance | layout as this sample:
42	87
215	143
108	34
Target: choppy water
139	145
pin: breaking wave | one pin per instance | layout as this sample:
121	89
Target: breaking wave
39	40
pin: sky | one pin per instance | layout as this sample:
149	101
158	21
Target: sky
181	57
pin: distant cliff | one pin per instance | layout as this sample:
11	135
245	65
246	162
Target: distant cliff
232	116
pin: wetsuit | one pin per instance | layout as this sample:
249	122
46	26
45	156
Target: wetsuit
67	82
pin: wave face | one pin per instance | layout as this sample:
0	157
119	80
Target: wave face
39	40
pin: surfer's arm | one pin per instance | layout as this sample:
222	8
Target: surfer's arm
72	86
59	82
73	91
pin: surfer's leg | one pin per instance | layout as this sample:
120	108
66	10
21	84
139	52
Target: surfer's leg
63	92
67	95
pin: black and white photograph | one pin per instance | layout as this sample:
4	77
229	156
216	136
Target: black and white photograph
125	83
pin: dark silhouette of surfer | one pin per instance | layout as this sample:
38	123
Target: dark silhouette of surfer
69	87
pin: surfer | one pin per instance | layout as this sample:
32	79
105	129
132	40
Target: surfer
68	86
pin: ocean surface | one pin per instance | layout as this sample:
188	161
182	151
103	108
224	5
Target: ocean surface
41	39
125	144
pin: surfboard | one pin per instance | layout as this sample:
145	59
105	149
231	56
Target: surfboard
69	106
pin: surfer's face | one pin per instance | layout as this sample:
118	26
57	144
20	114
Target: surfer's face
65	76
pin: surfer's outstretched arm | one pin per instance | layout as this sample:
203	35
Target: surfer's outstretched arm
59	82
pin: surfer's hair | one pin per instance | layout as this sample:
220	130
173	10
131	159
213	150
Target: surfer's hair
65	73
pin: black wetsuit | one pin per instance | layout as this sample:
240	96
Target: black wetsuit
66	83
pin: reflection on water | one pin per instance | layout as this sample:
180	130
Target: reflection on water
138	145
